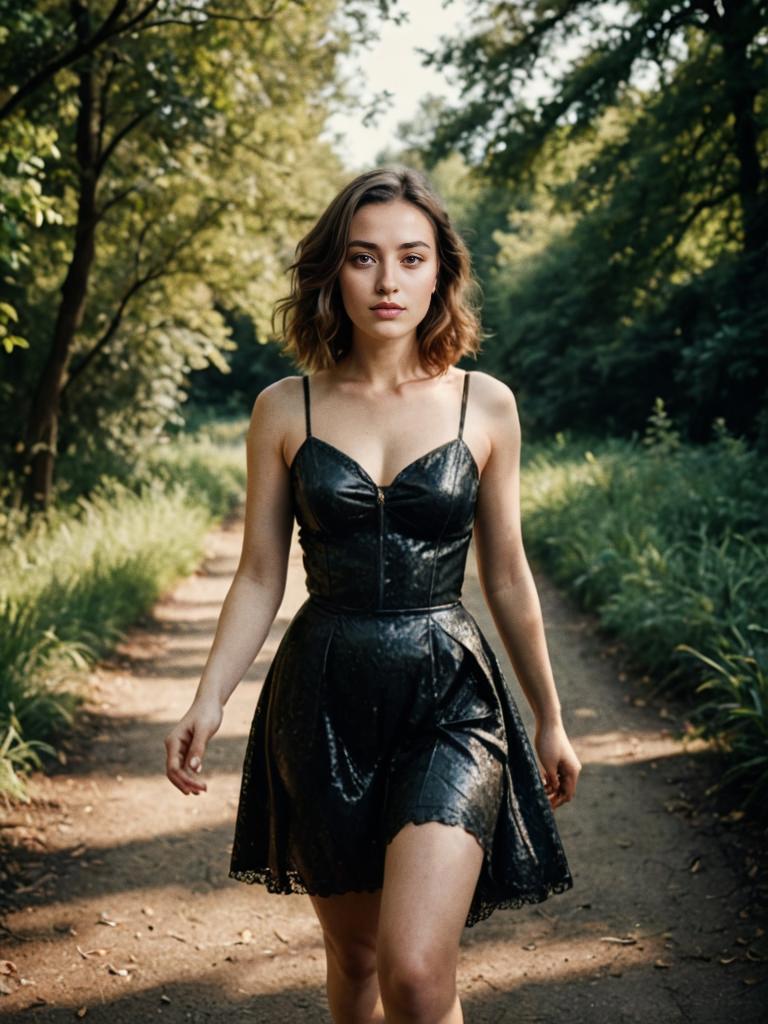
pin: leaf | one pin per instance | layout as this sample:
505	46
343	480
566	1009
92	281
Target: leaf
122	971
86	954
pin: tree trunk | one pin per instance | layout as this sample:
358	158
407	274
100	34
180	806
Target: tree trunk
738	29
42	427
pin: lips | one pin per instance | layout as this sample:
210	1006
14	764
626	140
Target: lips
387	305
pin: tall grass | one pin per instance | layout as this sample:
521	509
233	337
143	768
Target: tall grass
668	544
78	576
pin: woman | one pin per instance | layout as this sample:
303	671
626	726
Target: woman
384	721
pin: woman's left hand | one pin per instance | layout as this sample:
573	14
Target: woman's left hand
559	761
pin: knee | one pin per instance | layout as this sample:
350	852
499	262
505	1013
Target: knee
417	986
354	959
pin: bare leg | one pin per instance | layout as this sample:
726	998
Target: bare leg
349	924
430	875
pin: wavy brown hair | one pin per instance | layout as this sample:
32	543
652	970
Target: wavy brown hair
316	330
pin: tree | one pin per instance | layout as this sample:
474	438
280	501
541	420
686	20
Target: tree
647	148
155	109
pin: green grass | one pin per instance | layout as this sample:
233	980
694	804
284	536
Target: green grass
668	545
77	577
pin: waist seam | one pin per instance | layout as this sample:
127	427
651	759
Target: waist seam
334	606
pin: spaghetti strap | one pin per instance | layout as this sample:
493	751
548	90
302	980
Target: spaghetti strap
306	406
464	402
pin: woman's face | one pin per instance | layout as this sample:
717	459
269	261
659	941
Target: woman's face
392	258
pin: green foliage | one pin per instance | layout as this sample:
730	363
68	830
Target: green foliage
75	578
668	544
736	706
630	260
660	436
202	146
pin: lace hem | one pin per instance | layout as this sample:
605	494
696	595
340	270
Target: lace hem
439	814
291	882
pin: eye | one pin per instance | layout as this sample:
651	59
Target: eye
358	255
413	256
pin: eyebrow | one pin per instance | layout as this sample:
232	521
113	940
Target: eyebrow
372	245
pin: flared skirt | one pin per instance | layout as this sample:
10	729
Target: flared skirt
367	721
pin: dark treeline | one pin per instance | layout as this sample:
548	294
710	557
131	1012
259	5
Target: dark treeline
619	221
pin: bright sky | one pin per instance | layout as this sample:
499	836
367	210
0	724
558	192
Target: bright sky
392	63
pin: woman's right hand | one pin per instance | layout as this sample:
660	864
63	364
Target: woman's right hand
185	745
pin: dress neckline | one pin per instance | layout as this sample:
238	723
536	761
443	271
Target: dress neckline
411	465
459	439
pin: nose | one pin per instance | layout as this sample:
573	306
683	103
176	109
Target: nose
386	282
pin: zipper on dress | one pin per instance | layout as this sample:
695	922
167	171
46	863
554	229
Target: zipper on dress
380	500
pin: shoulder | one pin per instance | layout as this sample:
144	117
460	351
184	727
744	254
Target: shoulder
277	396
494	396
275	405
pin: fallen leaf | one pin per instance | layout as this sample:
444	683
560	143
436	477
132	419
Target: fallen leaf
87	953
8	967
661	963
626	941
117	970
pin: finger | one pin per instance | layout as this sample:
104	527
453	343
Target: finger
195	759
186	784
569	783
175	771
190	778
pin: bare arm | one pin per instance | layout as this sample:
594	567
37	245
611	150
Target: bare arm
254	596
510	590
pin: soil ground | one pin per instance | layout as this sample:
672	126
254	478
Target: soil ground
118	908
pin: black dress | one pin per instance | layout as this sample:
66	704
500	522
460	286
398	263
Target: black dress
384	703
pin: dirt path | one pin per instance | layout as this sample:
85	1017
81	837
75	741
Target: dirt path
119	908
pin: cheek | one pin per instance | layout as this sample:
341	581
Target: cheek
348	284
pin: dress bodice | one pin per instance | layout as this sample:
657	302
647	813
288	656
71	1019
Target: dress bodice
373	547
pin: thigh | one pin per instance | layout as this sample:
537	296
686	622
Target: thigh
350	924
430	873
